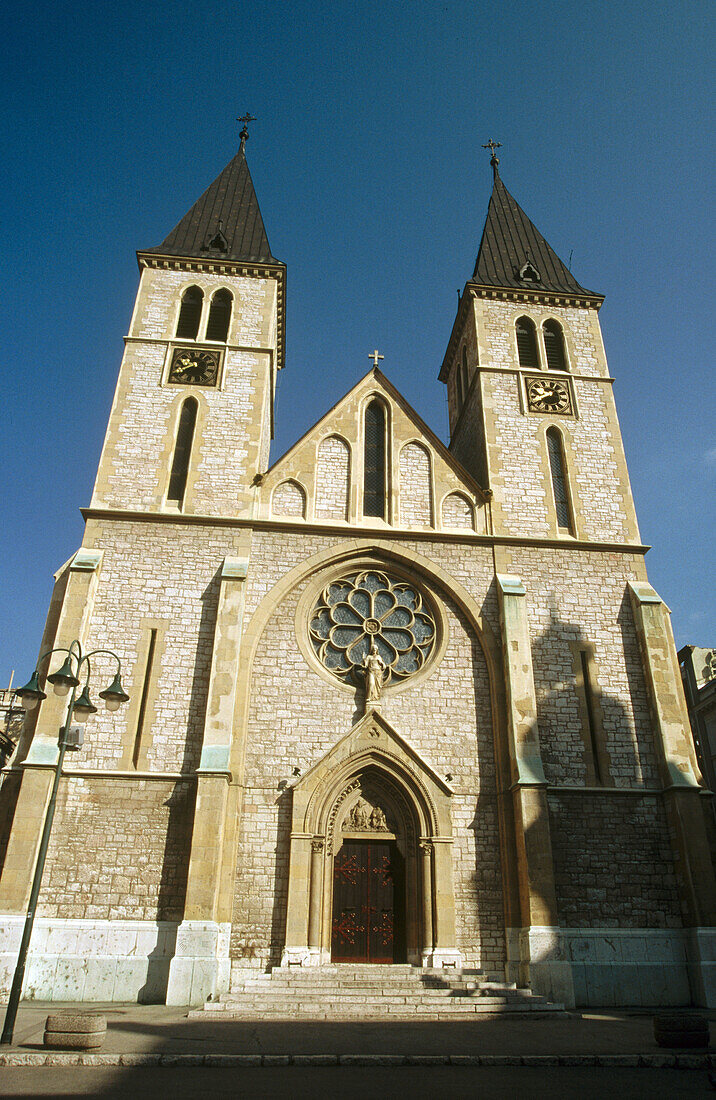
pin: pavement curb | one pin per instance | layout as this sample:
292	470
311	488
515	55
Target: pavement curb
231	1061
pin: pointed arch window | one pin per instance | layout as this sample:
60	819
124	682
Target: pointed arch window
190	313
526	343
217	327
554	345
558	473
374	461
182	452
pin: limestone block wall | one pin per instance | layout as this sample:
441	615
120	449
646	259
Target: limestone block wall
297	714
579	601
160	576
233	427
613	861
119	850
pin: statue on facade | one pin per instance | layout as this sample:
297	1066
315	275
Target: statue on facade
374	670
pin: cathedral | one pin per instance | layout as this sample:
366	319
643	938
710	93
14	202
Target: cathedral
391	702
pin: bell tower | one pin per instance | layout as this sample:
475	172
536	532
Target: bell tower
532	414
192	417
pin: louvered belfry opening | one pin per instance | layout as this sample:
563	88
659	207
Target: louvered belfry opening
527	343
217	327
190	313
559	480
554	345
182	451
374	461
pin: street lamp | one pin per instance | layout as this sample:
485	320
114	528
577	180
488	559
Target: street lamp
65	681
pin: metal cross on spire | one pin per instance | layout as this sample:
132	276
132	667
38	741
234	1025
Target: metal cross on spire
245	129
494	159
375	356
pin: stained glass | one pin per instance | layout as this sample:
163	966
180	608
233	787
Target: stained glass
370	607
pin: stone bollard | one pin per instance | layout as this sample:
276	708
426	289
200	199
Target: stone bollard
75	1031
681	1029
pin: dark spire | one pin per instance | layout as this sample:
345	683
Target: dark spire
513	252
225	223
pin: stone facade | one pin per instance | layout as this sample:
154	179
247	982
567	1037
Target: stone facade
531	760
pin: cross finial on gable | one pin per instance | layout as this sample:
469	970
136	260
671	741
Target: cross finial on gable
375	356
494	159
246	119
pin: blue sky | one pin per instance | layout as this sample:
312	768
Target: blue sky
367	160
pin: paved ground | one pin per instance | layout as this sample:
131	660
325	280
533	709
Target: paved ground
588	1055
358	1083
144	1029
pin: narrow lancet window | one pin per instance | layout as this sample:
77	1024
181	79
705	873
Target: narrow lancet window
190	313
465	374
217	327
527	343
558	471
374	464
591	717
145	695
182	452
554	345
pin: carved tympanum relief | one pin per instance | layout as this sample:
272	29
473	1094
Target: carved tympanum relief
364	818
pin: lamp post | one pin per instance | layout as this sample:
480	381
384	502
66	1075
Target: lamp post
65	681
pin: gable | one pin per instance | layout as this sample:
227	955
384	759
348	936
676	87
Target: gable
322	478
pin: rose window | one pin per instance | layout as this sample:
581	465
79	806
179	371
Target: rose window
370	607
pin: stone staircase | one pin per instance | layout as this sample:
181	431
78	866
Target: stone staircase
352	991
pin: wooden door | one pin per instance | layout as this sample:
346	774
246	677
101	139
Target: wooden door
367	903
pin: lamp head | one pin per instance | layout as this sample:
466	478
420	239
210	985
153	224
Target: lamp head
31	694
83	707
64	678
115	694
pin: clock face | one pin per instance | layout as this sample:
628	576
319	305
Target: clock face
548	395
194	367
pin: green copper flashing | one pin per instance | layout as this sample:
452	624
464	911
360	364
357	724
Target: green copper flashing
234	569
511	585
214	758
87	561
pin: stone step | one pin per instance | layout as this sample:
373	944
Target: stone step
396	1012
354	991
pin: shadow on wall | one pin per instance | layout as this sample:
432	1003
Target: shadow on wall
613	859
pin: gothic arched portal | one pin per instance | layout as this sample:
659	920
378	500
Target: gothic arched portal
371	807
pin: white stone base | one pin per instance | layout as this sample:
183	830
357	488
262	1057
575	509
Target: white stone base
616	966
89	960
201	967
442	958
304	956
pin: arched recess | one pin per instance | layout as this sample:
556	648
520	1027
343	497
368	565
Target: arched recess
372	788
289	499
415	486
333	472
458	512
